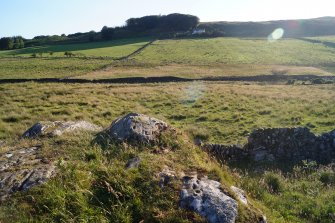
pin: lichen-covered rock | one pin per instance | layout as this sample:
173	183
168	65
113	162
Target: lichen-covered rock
136	127
240	194
133	163
205	197
58	128
22	169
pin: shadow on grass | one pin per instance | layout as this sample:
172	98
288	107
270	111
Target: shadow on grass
78	46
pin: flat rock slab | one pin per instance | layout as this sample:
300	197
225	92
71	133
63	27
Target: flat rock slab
22	169
205	197
136	127
57	128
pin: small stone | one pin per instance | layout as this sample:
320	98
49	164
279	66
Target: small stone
166	176
133	163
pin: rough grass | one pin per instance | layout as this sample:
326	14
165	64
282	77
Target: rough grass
226	112
217	112
93	185
115	48
187	71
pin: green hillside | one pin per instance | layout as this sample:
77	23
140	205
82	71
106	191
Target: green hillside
189	58
114	48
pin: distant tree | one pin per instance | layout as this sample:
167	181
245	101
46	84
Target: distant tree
179	22
143	23
18	42
63	35
107	33
6	43
91	36
168	23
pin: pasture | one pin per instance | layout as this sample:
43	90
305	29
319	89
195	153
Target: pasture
114	49
216	112
191	58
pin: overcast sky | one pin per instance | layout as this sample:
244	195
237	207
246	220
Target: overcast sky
30	18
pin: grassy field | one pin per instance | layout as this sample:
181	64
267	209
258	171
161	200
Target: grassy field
213	111
48	67
216	112
115	48
239	51
225	113
191	58
196	71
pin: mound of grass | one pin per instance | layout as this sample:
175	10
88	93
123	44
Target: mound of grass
93	185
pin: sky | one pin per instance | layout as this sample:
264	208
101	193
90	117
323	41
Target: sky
30	18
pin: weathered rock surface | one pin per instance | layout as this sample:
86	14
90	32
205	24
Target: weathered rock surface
133	163
58	128
136	127
166	176
205	197
22	169
240	194
279	144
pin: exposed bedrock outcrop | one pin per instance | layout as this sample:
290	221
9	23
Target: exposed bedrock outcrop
205	197
279	144
48	128
22	169
136	127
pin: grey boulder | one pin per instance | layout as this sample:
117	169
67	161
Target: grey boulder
205	197
136	127
57	128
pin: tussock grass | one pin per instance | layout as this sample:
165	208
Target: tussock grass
222	113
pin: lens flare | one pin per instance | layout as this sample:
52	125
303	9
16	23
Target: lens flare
276	35
193	92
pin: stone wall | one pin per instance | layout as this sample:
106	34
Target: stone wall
279	144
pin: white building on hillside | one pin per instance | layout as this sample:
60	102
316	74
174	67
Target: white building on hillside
198	31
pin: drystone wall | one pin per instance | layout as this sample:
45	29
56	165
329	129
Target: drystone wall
279	144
